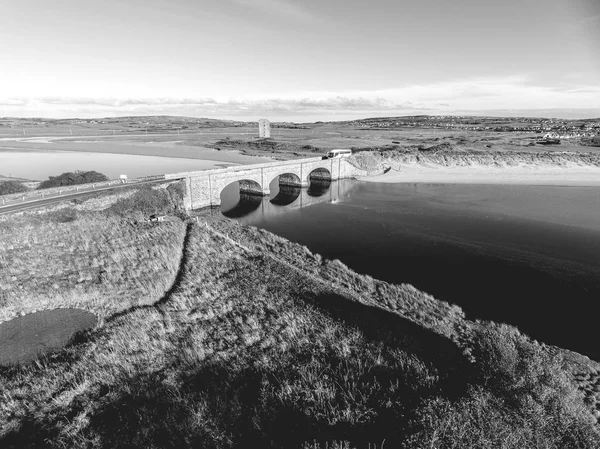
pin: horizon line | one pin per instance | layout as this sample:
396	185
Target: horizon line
454	115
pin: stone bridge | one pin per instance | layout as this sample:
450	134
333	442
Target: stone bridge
203	188
289	198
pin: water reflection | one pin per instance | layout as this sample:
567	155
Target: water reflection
319	187
286	195
523	255
283	199
239	204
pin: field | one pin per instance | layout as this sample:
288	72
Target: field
182	134
73	257
212	334
218	335
238	142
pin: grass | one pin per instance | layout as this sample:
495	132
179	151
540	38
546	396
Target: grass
269	147
446	155
214	349
101	262
520	397
227	336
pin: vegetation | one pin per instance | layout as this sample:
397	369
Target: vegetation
98	261
73	178
267	147
219	335
446	155
8	187
146	201
519	397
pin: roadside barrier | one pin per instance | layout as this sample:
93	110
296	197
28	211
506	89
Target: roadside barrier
57	191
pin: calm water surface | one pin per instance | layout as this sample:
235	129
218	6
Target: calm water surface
37	159
39	165
524	255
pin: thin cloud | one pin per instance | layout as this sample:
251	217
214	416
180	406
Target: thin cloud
282	8
588	20
13	102
477	94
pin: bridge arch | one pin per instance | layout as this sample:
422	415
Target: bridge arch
250	187
247	183
239	198
247	187
319	174
203	188
289	179
319	181
286	187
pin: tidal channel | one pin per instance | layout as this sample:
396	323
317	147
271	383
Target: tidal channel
524	255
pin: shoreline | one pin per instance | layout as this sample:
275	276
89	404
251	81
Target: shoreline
236	297
578	176
145	149
209	158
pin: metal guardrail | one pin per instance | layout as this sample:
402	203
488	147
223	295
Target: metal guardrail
55	192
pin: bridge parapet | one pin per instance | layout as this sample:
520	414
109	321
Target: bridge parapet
203	188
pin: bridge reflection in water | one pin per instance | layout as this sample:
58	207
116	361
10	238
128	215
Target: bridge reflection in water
236	204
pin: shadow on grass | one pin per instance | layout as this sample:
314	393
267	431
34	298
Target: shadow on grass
142	413
31	432
386	326
183	262
236	403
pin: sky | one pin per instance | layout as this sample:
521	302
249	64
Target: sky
299	60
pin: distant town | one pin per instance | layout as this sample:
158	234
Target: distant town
565	129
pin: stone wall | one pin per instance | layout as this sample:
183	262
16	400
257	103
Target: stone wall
203	188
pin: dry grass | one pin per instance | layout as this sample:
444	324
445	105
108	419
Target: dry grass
256	342
234	324
447	155
99	262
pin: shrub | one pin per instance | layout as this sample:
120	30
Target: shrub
518	370
146	201
65	215
519	397
177	192
481	419
8	187
73	178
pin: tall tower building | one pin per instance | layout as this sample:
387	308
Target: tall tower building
264	128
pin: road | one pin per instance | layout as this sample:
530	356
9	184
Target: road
32	203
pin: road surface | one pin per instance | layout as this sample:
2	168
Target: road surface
32	203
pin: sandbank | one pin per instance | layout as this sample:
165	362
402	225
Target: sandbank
170	149
519	175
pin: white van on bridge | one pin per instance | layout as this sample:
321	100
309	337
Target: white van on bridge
336	154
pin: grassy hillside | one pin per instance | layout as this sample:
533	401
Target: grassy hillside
446	155
276	149
228	336
71	256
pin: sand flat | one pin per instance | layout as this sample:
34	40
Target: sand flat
521	175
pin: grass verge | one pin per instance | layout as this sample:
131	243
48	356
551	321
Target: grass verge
248	340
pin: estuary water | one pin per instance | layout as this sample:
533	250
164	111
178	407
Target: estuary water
524	255
37	159
39	165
